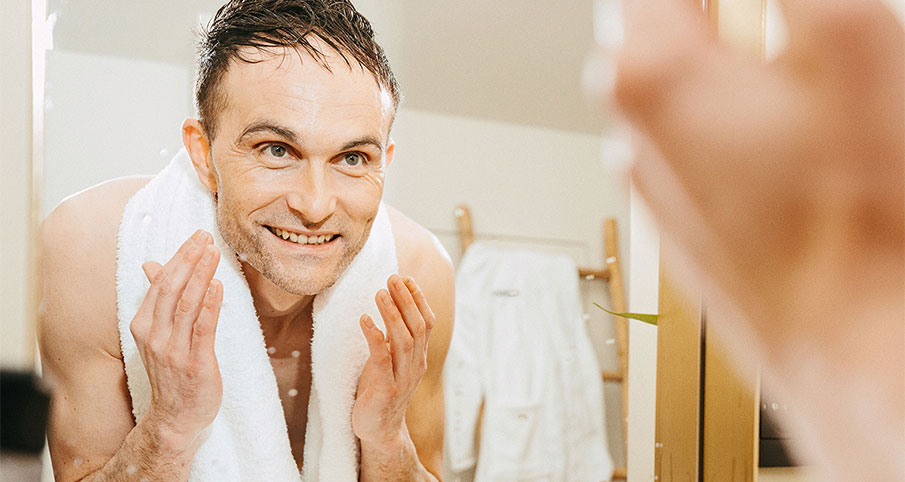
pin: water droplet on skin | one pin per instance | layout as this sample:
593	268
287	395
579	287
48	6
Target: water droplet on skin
611	341
292	392
586	316
296	353
774	406
77	461
271	350
131	469
164	153
147	219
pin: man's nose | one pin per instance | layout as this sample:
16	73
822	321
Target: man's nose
312	195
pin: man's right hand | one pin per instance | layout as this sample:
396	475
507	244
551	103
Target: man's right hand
174	331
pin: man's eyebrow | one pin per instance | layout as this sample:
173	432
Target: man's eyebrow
364	141
271	127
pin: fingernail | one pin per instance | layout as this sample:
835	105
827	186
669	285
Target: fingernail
196	236
384	296
212	289
397	282
410	282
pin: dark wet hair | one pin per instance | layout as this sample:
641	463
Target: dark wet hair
273	24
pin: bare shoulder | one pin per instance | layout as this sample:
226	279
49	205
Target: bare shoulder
78	249
422	257
419	252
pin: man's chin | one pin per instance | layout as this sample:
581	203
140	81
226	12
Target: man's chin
308	286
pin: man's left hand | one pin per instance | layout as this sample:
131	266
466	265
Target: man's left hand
396	364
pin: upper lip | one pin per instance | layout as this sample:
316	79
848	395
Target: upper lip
303	232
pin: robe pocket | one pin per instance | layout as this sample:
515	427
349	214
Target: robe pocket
516	444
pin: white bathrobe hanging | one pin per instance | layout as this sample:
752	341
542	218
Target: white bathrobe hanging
520	344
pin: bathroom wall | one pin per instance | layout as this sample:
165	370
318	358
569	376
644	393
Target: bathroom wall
15	145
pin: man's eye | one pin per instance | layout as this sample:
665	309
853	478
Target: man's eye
353	159
277	150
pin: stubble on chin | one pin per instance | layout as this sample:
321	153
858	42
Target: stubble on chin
249	247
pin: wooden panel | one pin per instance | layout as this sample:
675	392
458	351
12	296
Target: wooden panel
678	383
731	416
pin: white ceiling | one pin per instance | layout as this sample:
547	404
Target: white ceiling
514	61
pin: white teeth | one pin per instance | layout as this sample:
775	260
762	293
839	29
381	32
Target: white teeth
301	238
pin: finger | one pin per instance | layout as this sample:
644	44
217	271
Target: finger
157	331
423	307
191	301
178	270
401	342
141	323
377	347
411	315
205	327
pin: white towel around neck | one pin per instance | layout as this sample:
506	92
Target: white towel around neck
248	440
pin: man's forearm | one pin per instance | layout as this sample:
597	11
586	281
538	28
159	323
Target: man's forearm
148	454
394	460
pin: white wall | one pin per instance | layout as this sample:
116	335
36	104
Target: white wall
109	116
644	266
15	192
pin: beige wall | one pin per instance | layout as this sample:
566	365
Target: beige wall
15	146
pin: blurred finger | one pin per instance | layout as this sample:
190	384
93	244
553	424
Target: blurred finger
191	301
401	342
157	330
411	315
179	269
204	329
141	323
423	307
377	347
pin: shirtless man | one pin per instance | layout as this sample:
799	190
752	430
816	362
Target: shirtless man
287	134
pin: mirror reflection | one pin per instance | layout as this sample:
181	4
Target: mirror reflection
308	257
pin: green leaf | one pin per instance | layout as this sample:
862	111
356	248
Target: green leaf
650	319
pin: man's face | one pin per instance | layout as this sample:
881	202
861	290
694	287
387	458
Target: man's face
300	152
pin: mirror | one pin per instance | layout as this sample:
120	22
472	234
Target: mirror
493	117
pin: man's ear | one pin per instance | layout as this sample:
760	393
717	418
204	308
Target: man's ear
391	149
198	146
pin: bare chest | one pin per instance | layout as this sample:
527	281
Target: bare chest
292	368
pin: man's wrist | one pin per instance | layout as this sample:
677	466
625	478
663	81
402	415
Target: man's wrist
166	439
390	442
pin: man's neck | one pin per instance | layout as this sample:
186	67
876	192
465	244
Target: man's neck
274	305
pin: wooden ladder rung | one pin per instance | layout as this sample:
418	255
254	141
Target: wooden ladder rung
611	376
594	274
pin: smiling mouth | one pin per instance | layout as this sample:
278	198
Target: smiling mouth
301	238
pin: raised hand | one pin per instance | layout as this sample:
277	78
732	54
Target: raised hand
782	183
396	364
174	330
780	188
